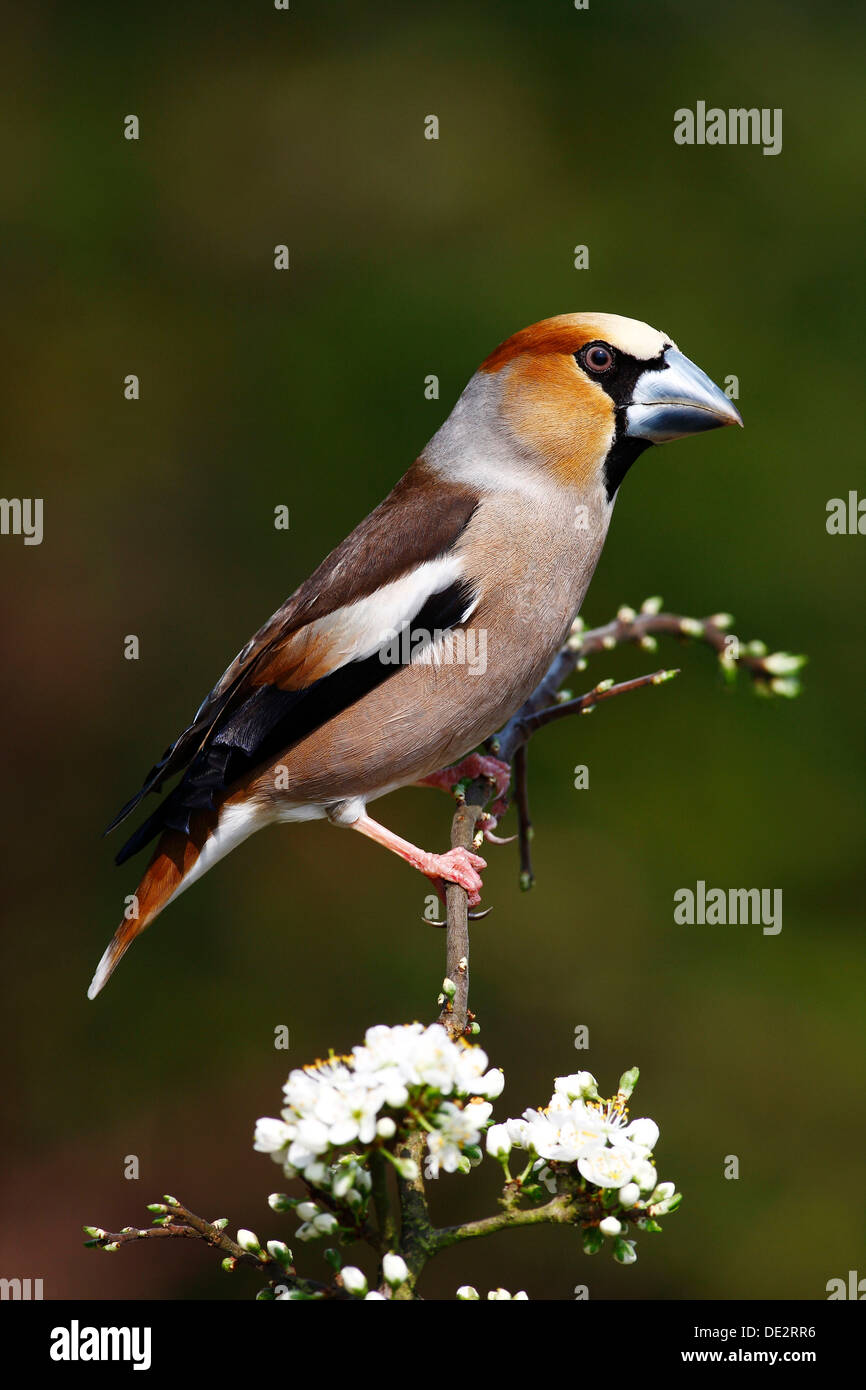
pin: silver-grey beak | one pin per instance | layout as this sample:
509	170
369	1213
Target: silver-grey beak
678	399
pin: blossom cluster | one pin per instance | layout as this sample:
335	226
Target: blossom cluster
398	1079
411	1079
578	1139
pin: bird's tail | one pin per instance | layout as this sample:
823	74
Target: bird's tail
168	873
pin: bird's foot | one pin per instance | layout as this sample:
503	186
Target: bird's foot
459	866
474	766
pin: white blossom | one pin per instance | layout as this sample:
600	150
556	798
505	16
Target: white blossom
457	1127
347	1100
609	1167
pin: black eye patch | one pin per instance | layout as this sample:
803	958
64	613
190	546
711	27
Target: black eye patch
618	382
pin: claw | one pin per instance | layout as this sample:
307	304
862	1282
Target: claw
499	839
472	916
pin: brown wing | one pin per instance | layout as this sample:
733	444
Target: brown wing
302	666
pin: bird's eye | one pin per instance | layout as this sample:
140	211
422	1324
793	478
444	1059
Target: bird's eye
598	358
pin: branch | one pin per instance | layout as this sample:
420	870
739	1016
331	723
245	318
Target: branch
772	673
416	1232
177	1222
560	1210
455	1011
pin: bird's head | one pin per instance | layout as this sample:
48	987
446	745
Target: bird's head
582	395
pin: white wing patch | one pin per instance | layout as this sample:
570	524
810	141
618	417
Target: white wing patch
359	629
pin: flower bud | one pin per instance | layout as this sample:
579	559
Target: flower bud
279	1251
394	1270
492	1083
342	1182
580	1085
783	663
354	1280
325	1223
663	1191
407	1168
498	1142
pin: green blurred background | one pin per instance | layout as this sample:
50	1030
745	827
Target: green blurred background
412	257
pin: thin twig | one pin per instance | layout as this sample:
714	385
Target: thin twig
186	1225
524	820
606	690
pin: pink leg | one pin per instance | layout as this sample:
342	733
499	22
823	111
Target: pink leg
457	866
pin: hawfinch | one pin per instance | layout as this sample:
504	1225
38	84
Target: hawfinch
434	620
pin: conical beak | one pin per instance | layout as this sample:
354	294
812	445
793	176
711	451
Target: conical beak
677	400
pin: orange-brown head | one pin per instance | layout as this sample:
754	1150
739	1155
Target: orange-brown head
582	395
